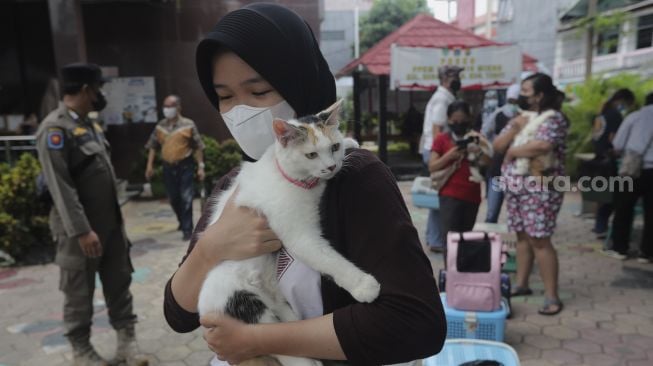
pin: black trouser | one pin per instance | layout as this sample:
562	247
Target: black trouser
624	204
77	282
179	179
457	215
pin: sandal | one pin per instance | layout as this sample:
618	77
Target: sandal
548	303
521	291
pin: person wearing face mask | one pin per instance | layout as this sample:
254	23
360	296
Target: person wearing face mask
261	62
85	218
492	127
533	209
435	121
179	141
459	197
604	129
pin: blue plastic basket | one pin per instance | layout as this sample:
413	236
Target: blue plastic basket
458	351
488	325
423	195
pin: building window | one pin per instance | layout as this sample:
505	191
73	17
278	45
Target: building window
645	31
338	35
608	41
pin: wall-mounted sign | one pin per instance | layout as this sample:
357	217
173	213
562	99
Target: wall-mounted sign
129	100
490	66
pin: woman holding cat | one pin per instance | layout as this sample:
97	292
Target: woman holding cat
259	63
532	210
460	196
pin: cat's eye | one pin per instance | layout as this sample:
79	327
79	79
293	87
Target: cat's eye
312	155
335	147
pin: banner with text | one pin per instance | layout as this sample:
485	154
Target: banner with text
491	66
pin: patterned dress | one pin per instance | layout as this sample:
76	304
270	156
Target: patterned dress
531	208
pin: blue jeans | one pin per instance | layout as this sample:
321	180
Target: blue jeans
434	237
494	202
178	180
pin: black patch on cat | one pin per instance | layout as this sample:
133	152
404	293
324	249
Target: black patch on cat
310	119
245	306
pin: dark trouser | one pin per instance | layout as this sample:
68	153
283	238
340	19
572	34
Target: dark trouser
457	215
77	282
603	217
494	202
624	204
178	179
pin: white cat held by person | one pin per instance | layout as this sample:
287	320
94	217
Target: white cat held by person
285	186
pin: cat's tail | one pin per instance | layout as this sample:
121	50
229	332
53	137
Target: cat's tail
350	143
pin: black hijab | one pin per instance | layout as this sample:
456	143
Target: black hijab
280	46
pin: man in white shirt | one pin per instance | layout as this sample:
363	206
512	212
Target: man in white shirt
635	135
435	121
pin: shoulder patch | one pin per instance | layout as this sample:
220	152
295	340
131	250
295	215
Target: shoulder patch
55	138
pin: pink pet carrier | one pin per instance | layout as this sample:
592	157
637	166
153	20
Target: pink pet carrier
474	271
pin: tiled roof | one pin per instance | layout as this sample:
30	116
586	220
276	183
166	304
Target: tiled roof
422	31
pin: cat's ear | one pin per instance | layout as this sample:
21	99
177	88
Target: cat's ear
287	132
331	115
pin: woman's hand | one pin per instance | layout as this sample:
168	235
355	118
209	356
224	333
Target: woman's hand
519	122
454	154
240	233
510	155
230	339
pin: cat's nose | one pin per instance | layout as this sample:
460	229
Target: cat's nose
332	168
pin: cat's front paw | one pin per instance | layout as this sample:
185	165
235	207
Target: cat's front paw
367	289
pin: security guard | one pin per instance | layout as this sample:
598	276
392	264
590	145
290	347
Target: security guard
86	218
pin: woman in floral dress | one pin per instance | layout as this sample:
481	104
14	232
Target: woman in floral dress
533	206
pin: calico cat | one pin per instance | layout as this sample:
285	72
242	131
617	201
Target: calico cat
285	185
478	147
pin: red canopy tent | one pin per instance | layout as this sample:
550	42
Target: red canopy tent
421	31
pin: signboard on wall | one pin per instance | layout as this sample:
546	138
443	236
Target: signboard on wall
490	66
129	100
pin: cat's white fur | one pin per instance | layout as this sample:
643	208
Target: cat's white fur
293	214
527	134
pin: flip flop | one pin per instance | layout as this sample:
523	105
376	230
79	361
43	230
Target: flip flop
545	310
521	291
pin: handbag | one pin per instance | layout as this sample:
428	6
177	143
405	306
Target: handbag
440	177
632	162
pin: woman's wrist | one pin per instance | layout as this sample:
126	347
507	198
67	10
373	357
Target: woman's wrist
207	255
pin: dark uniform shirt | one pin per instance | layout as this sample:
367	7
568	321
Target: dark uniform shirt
75	159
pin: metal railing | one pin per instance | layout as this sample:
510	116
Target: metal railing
8	145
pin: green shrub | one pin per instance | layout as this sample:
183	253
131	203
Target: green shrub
219	158
586	102
23	218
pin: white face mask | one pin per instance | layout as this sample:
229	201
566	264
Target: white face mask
252	126
169	112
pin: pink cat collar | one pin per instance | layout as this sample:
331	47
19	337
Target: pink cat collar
306	184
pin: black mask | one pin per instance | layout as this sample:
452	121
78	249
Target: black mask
455	86
460	129
523	103
100	102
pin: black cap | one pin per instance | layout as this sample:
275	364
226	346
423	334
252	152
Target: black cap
80	73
